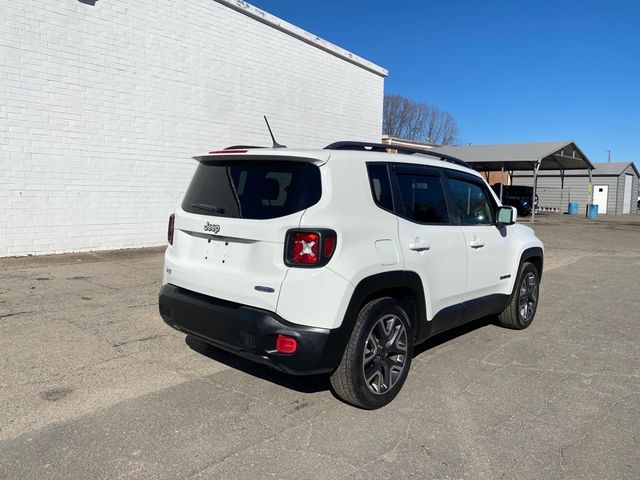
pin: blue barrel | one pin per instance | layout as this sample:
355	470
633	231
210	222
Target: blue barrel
573	208
592	211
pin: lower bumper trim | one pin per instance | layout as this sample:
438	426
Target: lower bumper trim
250	332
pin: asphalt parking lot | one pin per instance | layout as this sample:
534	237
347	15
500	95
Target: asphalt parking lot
94	385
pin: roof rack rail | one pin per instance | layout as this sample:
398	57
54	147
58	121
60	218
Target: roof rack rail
381	147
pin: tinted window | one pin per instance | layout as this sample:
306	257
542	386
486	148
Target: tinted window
252	189
513	190
380	185
471	203
423	198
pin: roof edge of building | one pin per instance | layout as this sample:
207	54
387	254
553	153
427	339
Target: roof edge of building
489	145
622	167
635	168
307	37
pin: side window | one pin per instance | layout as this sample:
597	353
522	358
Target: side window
380	185
423	198
471	203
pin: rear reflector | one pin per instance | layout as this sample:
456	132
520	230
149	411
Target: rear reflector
286	344
172	219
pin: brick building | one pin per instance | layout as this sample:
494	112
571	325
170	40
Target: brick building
102	103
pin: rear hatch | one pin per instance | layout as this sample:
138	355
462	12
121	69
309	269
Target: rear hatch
230	230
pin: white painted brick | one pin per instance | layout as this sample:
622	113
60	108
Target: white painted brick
102	107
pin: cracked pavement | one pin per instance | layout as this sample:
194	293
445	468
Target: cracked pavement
94	385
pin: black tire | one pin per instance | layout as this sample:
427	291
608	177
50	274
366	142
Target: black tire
380	324
517	315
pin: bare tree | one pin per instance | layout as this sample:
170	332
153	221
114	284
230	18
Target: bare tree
418	121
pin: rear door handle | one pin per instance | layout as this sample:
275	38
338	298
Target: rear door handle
419	245
476	243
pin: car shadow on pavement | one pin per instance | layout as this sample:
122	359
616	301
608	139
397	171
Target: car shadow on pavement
452	334
315	383
303	384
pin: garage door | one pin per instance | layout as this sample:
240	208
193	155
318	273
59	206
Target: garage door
626	203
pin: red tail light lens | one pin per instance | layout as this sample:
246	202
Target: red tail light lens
215	152
328	246
286	344
306	248
309	248
172	219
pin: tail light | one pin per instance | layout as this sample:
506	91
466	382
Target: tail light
172	220
309	248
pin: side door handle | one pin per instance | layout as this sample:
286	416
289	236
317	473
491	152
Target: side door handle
476	243
419	245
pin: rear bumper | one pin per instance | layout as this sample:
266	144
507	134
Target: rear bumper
250	332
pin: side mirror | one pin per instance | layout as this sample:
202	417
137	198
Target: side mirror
506	216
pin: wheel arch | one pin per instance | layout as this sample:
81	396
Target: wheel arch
405	286
533	255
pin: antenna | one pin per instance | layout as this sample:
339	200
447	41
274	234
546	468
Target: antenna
275	144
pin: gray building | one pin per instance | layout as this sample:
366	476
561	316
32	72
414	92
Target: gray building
615	188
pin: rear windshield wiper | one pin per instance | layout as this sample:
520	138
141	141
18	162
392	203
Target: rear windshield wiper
208	208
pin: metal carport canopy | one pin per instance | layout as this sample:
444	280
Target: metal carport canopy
521	156
563	155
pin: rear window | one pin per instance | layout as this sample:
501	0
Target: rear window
380	185
252	189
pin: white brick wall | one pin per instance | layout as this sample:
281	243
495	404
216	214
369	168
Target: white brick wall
102	106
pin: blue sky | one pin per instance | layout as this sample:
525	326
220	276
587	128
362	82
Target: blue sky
509	71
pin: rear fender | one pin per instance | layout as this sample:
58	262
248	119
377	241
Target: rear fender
384	284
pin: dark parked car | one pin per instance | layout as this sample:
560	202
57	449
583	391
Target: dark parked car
518	196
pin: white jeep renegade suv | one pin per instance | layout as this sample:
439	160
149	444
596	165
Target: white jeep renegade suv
341	260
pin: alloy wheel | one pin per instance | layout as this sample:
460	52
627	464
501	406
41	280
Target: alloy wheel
528	297
385	354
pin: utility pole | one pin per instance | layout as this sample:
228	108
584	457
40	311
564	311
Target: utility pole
609	155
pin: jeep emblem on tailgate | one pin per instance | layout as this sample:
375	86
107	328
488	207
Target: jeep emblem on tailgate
210	227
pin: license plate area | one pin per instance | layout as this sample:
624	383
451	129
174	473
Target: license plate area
216	251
